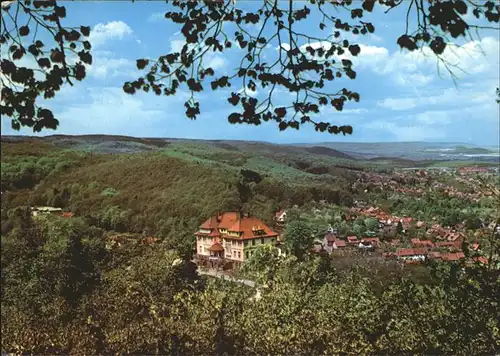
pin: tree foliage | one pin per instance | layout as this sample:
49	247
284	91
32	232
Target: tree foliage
298	237
22	84
304	64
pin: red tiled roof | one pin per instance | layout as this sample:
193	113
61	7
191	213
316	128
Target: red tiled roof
435	254
452	256
352	238
481	259
411	251
406	220
444	244
340	243
210	223
216	247
427	243
246	226
415	241
227	220
453	236
67	215
330	237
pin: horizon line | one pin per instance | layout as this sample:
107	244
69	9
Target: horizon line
239	140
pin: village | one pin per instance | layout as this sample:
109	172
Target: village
230	238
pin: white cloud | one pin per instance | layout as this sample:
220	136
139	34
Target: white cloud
177	45
433	117
156	17
355	111
398	103
101	33
105	67
418	68
405	133
109	110
216	62
467	95
474	57
412	79
362	39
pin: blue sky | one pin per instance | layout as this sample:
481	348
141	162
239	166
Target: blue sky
402	96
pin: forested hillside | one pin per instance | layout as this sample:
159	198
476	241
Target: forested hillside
132	192
67	289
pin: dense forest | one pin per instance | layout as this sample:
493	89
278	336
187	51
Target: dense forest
66	291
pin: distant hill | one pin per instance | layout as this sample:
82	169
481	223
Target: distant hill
462	150
326	151
392	153
416	151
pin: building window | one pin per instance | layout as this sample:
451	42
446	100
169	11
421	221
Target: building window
262	240
239	254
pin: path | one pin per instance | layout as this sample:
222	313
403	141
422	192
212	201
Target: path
221	275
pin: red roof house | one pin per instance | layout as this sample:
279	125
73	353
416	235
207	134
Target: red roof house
228	234
352	239
340	243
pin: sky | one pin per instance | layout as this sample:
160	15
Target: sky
404	96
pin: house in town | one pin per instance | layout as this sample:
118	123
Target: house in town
352	240
331	242
280	216
332	230
468	170
412	254
366	245
230	237
371	241
416	242
406	222
452	256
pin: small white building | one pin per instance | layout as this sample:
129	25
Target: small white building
281	216
45	210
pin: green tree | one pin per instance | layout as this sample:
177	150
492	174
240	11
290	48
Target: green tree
298	237
371	224
399	229
263	264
